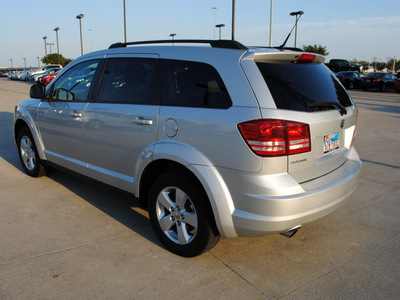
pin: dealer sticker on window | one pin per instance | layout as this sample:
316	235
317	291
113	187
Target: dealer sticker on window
331	142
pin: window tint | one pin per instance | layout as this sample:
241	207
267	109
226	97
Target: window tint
294	86
192	84
74	85
130	81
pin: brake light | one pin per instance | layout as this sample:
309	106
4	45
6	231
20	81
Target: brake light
271	137
305	58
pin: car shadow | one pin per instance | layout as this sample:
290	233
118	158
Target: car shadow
120	205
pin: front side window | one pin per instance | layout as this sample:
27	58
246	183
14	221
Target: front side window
130	81
192	84
74	85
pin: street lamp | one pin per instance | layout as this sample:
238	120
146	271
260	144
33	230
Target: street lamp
79	17
11	64
172	35
58	49
298	14
24	58
220	26
45	45
124	21
233	20
38	62
214	9
270	22
50	44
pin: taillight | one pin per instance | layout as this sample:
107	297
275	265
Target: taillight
270	137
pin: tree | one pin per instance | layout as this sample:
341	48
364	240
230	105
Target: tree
365	64
54	59
316	49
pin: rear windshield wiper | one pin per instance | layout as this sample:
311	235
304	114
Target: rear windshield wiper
338	106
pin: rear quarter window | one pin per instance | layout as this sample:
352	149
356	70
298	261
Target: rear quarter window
192	84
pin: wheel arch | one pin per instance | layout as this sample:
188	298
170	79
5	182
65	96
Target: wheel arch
25	120
181	158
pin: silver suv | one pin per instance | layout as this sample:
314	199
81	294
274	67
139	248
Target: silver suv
216	138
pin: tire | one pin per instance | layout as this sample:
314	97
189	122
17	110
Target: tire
383	88
28	154
351	85
181	215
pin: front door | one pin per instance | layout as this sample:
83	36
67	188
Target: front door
60	118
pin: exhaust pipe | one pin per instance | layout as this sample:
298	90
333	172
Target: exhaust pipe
291	232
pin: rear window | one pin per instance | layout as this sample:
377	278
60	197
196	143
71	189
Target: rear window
295	86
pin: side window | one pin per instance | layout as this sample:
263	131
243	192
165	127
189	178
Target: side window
74	85
192	84
130	81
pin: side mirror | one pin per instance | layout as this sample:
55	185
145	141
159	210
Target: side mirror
38	91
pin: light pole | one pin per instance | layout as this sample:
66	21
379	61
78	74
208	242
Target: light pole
11	64
79	17
220	26
270	22
24	58
233	20
38	62
50	44
298	14
214	9
58	49
124	21
172	35
45	45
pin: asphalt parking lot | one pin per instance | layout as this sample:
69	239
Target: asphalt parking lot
67	237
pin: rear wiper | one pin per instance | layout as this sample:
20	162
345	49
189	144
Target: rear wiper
338	106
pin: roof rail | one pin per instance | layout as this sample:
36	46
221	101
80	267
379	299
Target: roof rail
228	44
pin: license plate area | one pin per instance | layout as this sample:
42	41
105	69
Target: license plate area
331	142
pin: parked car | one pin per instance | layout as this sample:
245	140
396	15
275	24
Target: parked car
397	85
45	79
44	68
37	76
379	80
338	65
218	141
350	79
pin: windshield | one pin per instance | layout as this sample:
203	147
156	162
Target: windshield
296	86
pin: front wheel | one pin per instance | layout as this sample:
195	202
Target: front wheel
181	215
28	154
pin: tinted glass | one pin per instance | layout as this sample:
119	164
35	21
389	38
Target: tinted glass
192	84
74	85
130	81
294	86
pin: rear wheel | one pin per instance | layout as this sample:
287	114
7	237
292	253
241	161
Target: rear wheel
351	85
181	215
383	88
28	154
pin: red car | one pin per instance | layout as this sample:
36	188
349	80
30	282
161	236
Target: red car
47	78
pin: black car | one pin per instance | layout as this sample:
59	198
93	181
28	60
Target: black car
350	79
379	80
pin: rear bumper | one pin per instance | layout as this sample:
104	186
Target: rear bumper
318	198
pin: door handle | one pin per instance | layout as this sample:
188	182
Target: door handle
76	114
142	121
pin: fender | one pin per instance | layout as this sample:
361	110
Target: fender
23	113
211	180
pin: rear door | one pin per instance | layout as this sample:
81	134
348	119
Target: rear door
121	126
304	90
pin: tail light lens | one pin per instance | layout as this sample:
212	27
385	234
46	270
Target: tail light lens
271	137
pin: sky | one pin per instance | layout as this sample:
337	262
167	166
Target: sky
360	29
